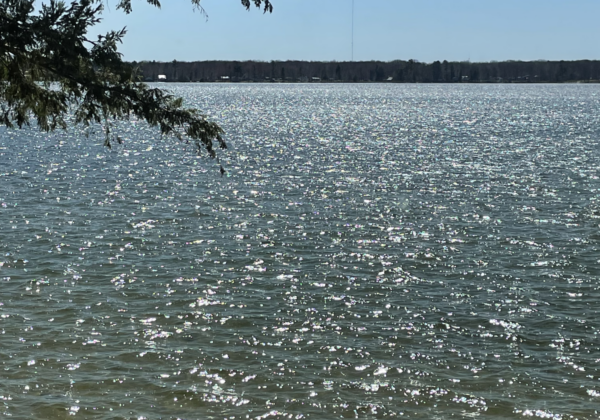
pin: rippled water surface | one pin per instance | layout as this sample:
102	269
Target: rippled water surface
374	251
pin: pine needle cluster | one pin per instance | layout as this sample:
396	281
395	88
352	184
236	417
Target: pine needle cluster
50	69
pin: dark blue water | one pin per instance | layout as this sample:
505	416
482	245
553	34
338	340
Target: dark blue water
373	251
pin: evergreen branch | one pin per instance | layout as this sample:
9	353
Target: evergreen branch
46	71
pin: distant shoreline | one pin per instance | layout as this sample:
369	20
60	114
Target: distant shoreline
330	82
399	71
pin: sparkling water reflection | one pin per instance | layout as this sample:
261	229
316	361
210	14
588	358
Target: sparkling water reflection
373	251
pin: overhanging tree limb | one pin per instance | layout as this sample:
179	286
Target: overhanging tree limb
48	67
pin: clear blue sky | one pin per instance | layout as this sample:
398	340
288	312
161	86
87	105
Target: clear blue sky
426	30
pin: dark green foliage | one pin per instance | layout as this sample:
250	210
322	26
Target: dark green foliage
49	68
411	71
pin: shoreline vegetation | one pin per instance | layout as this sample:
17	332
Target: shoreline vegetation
398	71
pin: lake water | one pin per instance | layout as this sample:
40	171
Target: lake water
373	251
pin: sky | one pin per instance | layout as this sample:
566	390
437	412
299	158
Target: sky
386	30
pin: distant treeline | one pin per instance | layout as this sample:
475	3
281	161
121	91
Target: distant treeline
411	71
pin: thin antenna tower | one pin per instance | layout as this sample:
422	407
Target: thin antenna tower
352	59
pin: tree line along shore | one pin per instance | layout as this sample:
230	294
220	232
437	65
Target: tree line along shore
398	71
